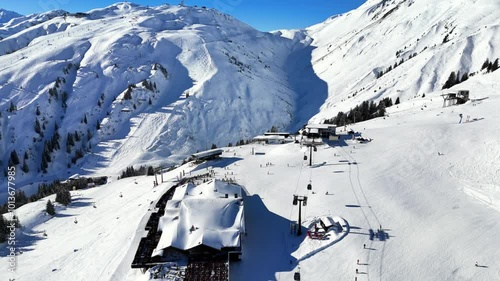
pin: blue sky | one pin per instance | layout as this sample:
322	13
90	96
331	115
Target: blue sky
264	15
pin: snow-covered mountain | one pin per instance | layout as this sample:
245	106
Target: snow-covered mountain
6	16
128	84
125	85
423	41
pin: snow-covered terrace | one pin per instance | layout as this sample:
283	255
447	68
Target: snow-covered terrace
209	214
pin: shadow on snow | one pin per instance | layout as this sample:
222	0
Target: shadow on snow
266	249
220	163
311	90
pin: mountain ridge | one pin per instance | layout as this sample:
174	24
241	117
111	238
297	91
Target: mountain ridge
125	71
6	15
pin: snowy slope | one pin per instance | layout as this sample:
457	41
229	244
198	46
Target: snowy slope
353	48
79	70
440	212
19	23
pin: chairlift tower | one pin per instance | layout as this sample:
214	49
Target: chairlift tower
312	147
299	200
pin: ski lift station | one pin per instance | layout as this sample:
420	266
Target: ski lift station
206	155
457	98
326	131
273	138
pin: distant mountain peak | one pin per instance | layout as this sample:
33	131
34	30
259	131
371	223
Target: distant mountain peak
6	16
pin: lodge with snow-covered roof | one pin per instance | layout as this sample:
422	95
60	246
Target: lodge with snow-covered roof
203	220
327	131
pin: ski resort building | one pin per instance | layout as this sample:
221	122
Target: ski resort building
283	134
270	139
459	97
203	220
326	131
206	155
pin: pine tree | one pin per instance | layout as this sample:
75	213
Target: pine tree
47	149
25	167
457	80
451	80
4	231
55	140
128	93
485	64
372	110
12	107
465	77
26	155
495	65
69	140
490	67
37	110
151	171
85	119
50	208
63	196
38	128
64	99
20	198
14	158
97	125
44	165
214	146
